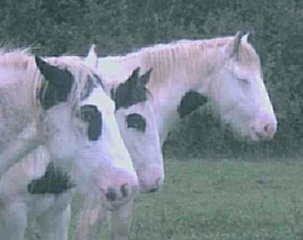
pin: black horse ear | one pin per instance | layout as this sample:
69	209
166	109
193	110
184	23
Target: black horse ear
59	85
250	37
132	81
57	77
135	73
132	91
234	47
144	79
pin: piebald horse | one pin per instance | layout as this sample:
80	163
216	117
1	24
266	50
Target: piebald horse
57	109
138	128
45	191
225	71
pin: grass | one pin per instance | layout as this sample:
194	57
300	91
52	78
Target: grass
226	200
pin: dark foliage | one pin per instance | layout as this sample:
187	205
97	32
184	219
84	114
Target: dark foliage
119	26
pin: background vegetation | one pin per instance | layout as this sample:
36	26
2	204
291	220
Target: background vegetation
120	26
205	199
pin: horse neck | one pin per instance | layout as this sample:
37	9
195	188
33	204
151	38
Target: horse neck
165	102
167	93
167	88
15	104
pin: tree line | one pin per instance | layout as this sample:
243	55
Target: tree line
120	26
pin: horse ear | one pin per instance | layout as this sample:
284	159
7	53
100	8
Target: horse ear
131	91
135	73
249	37
245	38
236	44
144	79
132	81
92	57
57	77
59	84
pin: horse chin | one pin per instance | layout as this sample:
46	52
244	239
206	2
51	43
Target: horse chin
259	137
144	188
149	190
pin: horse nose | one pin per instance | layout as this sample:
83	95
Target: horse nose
265	128
151	187
125	190
157	186
270	129
113	194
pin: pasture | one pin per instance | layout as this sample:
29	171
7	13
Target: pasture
219	199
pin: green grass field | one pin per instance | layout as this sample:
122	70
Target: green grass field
218	200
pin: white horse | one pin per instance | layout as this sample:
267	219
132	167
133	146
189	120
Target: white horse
45	191
72	118
225	71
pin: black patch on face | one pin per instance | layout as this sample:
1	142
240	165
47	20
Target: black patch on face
125	97
131	92
190	102
51	95
136	121
54	181
91	115
57	85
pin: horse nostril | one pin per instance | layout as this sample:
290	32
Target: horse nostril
125	190
111	194
267	128
260	135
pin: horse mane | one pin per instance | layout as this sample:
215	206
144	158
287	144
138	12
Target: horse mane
190	56
23	60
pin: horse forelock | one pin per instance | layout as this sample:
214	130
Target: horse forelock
247	56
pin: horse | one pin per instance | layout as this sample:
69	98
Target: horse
46	191
225	71
135	117
69	122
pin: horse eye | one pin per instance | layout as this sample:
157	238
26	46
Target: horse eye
244	80
87	112
85	115
136	121
91	115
